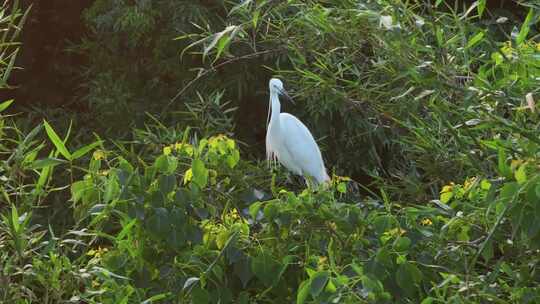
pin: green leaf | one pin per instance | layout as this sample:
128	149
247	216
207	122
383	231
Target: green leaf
487	253
77	190
166	183
475	39
243	271
438	2
15	218
497	58
4	105
58	143
200	296
303	292
254	209
521	174
508	191
126	229
318	282
503	167
402	244
446	196
166	164
112	190
525	27
46	162
407	277
82	151
233	159
481	7
200	173
383	223
428	300
156	298
342	187
215	38
159	223
265	268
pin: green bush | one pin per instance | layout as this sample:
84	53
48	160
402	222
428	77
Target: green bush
444	121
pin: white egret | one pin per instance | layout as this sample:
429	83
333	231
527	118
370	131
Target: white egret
289	141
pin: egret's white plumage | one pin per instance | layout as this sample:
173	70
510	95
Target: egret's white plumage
289	141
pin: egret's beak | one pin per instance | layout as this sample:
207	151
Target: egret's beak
286	95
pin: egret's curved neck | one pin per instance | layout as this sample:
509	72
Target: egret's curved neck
275	107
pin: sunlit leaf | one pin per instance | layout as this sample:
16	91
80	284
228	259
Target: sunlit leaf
58	143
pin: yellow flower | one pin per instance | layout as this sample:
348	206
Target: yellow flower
322	262
426	222
167	150
234	214
188	176
99	155
186	147
469	182
97	252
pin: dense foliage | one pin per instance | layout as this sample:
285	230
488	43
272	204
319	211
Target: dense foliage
434	103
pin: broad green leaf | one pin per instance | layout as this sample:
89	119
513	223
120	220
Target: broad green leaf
402	244
166	164
166	183
318	282
58	143
243	271
407	277
383	223
200	173
159	223
4	105
508	191
265	268
303	292
200	296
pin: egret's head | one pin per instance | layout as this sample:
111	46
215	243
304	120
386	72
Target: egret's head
275	85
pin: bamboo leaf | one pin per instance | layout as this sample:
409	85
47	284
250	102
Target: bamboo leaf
4	105
58	143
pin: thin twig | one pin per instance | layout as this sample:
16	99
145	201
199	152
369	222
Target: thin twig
214	69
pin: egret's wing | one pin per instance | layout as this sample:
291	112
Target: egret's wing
271	153
301	146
